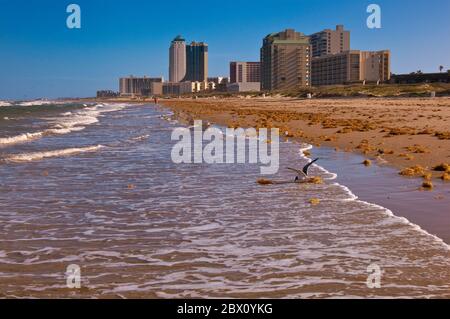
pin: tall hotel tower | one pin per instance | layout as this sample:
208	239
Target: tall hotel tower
177	60
197	62
285	61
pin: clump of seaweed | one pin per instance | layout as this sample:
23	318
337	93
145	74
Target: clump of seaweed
418	149
408	157
263	181
314	201
428	185
446	177
413	171
367	162
444	167
315	180
443	135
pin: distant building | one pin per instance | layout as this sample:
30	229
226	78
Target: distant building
218	83
133	86
157	88
285	61
330	41
107	94
244	76
196	62
241	72
179	88
244	87
177	60
418	77
351	67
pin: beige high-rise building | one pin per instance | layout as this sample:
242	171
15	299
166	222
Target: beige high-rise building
137	86
177	60
285	61
330	41
351	67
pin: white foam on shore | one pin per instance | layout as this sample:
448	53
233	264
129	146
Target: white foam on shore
386	211
28	157
20	138
38	102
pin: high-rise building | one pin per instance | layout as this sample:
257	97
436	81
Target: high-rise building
241	72
177	60
196	62
351	67
132	86
285	60
330	41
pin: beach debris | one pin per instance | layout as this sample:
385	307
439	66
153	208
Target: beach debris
428	185
315	180
345	130
413	171
385	151
400	131
314	201
427	176
367	162
288	134
263	181
307	153
408	157
444	167
446	177
131	186
418	149
443	135
45	173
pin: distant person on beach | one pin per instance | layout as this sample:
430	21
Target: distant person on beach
155	99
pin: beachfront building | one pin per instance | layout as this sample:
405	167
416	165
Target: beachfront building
135	86
244	76
242	72
176	88
244	87
285	61
196	62
352	66
177	59
329	41
218	83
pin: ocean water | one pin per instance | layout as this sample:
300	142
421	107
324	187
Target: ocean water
94	185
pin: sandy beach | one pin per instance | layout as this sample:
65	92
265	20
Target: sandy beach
411	134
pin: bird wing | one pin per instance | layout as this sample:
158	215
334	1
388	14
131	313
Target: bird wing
299	172
305	169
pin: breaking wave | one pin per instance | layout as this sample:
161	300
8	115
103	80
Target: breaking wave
28	157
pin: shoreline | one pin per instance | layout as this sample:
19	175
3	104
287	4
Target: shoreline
400	132
379	184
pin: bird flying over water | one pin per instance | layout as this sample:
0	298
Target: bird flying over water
302	174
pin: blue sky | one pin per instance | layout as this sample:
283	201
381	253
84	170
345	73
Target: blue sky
41	57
